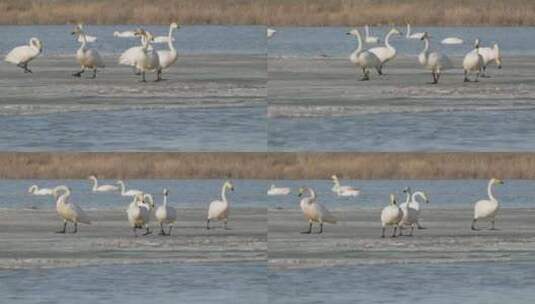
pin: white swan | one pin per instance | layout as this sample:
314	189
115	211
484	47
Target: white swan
270	32
387	52
146	58
344	191
369	39
274	190
452	40
314	212
490	55
473	62
434	61
131	192
391	216
88	58
88	38
22	55
363	58
125	34
487	209
131	55
168	57
138	213
410	35
411	211
101	188
165	214
219	209
34	189
70	212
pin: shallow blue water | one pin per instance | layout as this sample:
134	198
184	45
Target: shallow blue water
252	193
138	284
188	39
181	129
391	132
416	283
333	41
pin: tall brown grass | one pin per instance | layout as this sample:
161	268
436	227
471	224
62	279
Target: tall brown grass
274	12
268	165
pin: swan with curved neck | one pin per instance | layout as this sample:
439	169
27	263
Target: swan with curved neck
34	189
168	57
432	60
369	39
344	191
313	211
391	216
411	35
473	62
88	58
101	188
219	209
411	210
22	55
387	52
487	209
130	192
138	213
363	58
165	214
147	59
69	211
489	55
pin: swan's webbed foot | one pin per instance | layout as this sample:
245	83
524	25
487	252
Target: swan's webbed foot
162	232
473	227
147	232
365	78
207	224
78	74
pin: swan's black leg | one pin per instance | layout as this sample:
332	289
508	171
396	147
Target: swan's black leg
75	227
148	231
225	225
474	225
158	75
64	227
309	229
412	230
94	74
161	230
383	234
208	224
401	231
466	76
134	229
394	231
79	73
170	228
321	228
492	225
143	77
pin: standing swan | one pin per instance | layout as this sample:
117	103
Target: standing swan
363	58
88	58
168	57
314	212
34	189
387	52
490	55
131	192
138	214
473	62
410	35
434	61
165	214
411	210
487	209
391	216
101	188
368	38
22	55
70	212
219	210
146	58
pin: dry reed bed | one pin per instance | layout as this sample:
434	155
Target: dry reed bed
268	165
274	12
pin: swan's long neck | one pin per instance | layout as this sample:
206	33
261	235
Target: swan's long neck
121	184
489	190
144	42
425	51
367	30
408	30
409	196
170	39
84	40
34	188
359	46
165	200
417	194
312	193
387	40
95	183
224	193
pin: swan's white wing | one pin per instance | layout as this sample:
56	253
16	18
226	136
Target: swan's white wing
324	214
216	209
77	214
130	56
21	54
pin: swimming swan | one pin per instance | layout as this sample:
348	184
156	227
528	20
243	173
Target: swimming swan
34	189
168	57
410	35
452	40
270	32
363	58
368	38
125	34
314	212
70	212
146	58
219	209
131	192
344	191
490	55
101	188
487	209
138	213
387	52
391	216
88	58
22	55
473	62
411	211
165	214
274	190
434	61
